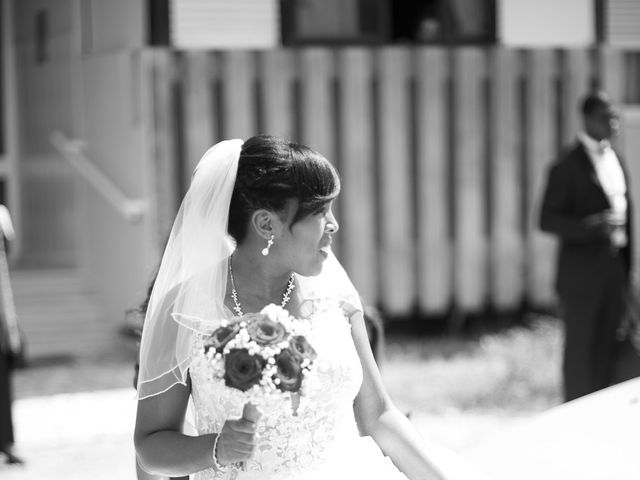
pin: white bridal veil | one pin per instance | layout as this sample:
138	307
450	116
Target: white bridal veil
192	277
189	290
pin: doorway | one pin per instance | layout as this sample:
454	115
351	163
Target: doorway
9	184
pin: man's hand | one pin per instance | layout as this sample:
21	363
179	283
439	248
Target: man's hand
607	221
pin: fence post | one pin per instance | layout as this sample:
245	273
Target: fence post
540	152
630	138
238	98
358	171
397	213
199	108
317	121
160	67
506	239
433	209
612	70
276	79
470	242
316	74
575	83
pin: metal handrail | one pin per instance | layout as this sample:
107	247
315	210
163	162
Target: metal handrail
132	209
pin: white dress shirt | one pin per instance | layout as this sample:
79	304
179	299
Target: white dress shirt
611	178
6	226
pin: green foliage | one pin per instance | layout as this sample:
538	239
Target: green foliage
515	370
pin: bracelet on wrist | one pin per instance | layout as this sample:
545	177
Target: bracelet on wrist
214	455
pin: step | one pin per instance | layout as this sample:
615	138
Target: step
59	315
37	308
37	276
81	343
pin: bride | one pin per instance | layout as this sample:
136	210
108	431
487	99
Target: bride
254	229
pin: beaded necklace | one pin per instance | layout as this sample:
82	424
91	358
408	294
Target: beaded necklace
286	295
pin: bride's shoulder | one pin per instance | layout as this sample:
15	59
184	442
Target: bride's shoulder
326	309
316	296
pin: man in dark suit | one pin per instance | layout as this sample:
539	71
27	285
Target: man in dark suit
586	204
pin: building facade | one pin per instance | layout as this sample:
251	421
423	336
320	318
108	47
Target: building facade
100	125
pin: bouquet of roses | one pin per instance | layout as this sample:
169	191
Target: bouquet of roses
262	354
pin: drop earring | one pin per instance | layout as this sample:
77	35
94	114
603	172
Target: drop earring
265	251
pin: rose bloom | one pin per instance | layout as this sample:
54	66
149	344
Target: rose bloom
221	336
289	371
265	331
242	370
302	349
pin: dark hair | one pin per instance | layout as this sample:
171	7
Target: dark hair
594	101
136	328
272	171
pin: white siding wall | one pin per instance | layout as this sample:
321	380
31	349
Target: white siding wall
113	24
546	23
207	24
623	23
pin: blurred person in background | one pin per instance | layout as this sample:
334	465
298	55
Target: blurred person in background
586	205
11	347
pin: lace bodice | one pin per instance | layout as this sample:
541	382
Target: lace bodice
288	442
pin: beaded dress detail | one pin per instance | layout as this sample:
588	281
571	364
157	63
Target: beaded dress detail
319	437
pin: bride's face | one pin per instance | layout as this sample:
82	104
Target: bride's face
305	246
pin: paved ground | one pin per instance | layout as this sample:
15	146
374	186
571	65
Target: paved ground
592	438
75	436
89	435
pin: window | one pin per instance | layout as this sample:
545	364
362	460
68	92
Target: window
444	21
388	21
334	21
158	26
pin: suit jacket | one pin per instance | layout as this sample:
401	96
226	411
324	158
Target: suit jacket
573	192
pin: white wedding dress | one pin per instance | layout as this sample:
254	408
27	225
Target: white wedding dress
319	441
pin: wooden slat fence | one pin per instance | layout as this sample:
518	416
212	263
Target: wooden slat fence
443	153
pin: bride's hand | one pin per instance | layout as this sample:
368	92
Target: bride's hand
238	437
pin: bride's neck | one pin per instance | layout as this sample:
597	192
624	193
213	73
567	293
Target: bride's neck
257	278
